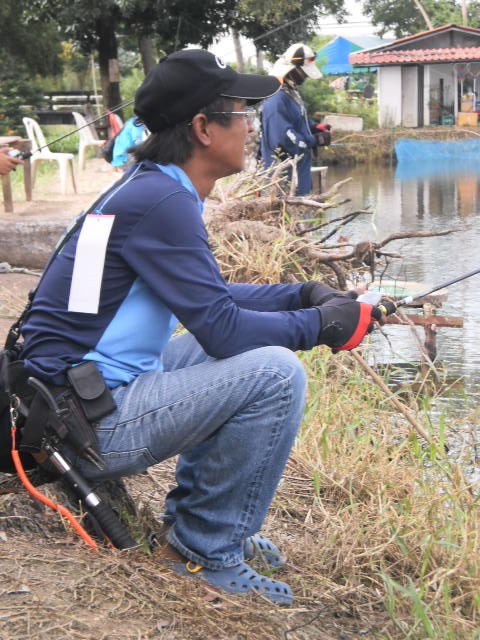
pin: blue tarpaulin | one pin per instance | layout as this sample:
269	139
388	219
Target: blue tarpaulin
435	158
333	57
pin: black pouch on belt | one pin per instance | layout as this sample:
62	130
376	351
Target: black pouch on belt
92	393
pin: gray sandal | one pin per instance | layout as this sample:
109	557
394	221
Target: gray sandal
240	579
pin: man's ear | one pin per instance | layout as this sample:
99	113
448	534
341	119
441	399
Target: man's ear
200	129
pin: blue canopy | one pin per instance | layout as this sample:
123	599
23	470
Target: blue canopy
333	57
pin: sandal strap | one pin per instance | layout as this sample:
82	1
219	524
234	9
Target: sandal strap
258	546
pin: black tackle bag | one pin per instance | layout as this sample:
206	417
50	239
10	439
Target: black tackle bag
6	462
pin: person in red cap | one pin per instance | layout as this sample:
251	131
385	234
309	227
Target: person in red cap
226	396
286	129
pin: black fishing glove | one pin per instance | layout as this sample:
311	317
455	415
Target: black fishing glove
314	294
345	322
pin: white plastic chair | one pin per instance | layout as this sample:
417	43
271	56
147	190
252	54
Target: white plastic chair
86	138
65	160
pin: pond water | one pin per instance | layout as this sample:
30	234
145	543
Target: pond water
425	198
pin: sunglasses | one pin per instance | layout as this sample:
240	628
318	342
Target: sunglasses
249	114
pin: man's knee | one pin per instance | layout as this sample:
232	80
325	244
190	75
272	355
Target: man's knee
284	363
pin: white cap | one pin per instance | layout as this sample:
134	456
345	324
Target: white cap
297	56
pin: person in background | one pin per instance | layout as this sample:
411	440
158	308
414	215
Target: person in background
286	130
131	135
7	163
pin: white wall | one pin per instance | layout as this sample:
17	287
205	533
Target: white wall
389	96
409	96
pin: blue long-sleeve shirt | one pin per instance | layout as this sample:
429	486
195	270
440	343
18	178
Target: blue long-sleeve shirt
285	126
158	268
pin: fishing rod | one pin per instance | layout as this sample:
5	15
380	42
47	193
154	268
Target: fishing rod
23	155
387	308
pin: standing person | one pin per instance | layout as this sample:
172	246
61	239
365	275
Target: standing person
286	130
227	395
7	163
130	135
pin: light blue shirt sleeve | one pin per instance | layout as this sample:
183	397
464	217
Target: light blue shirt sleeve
130	136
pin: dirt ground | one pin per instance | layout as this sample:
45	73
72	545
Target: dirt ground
48	201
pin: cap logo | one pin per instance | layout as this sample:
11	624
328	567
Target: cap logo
220	63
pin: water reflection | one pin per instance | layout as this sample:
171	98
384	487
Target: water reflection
418	200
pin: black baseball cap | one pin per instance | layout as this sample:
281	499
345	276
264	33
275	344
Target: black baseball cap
184	82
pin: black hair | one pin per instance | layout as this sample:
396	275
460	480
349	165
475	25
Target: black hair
174	145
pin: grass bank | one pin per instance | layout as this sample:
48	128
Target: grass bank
371	514
378	145
385	518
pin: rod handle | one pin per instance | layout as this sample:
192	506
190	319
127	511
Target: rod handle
387	308
111	526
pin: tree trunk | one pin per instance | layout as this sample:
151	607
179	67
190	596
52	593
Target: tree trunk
238	51
29	243
425	15
259	60
108	62
146	51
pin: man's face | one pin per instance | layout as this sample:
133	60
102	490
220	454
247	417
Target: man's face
228	149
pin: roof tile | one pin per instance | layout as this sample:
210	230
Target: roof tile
412	56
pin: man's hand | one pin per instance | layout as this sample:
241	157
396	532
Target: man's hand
7	163
345	323
314	294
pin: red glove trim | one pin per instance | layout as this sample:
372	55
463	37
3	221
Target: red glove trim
362	327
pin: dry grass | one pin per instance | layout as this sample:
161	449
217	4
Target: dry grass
378	145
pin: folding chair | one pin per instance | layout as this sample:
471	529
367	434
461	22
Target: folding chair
87	138
40	152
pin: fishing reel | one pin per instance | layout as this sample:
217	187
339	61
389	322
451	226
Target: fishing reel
21	155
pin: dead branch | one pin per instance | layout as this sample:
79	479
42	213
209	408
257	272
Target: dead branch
349	218
413	234
334	189
345	218
340	274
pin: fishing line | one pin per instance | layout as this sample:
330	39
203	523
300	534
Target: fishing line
23	155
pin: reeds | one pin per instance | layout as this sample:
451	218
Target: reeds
384	514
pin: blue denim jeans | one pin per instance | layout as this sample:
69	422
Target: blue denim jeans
232	421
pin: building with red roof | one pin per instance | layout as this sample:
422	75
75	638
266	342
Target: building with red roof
428	78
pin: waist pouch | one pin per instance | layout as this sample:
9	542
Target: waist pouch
81	404
94	396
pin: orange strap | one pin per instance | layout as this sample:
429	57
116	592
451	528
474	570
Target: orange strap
42	498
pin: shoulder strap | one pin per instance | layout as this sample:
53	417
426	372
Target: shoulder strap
16	328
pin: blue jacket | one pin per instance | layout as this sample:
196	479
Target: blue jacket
129	136
158	267
285	126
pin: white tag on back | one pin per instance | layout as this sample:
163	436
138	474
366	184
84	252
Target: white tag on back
89	263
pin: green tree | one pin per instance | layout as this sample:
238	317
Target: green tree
95	26
404	18
275	25
29	48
